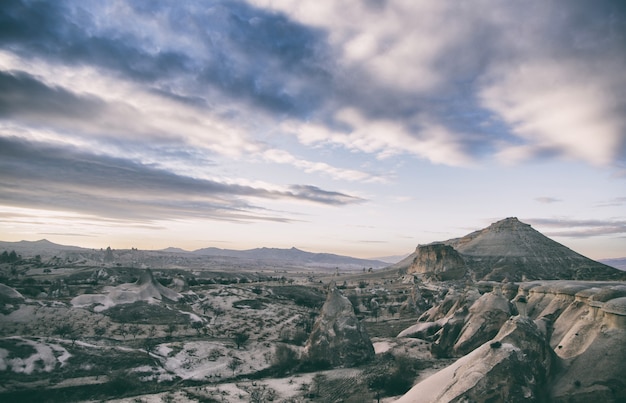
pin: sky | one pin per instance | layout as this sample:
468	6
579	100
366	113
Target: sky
357	127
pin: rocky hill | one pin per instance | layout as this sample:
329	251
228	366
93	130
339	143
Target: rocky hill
507	249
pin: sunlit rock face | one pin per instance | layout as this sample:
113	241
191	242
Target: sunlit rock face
575	330
486	317
337	338
512	367
588	336
441	261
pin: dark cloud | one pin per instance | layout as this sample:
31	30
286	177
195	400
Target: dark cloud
202	52
50	177
243	52
313	193
572	228
24	97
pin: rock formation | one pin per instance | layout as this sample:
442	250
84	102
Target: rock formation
486	317
337	338
441	261
10	299
567	347
146	288
507	249
513	367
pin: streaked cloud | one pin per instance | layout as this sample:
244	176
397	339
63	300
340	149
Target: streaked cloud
38	175
576	228
548	200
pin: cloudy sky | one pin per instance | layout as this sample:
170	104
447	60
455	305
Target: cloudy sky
360	127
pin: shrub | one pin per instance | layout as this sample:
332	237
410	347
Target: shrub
285	359
301	295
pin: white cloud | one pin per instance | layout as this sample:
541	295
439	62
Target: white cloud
398	43
128	111
556	108
552	74
385	137
283	157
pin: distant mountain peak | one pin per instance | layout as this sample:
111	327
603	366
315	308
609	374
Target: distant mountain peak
509	249
508	223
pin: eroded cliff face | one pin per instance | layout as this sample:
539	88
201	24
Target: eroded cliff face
441	261
586	323
578	334
337	337
513	367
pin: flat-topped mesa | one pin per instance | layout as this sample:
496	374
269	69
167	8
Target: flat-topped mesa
337	338
439	260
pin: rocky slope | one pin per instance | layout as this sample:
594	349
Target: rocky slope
146	288
507	249
566	346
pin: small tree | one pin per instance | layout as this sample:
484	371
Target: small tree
99	331
13	257
240	338
261	394
135	330
171	329
285	358
64	330
218	312
122	330
197	326
234	364
205	306
149	345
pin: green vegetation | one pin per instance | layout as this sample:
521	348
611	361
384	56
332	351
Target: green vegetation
142	312
304	296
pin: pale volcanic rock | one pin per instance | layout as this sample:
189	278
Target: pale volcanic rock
10	294
441	261
513	367
485	318
146	288
581	358
337	337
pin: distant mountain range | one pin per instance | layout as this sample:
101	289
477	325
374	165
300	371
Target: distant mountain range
32	248
508	248
618	263
293	256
